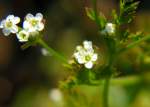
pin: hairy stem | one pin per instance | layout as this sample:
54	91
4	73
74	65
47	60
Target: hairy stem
54	53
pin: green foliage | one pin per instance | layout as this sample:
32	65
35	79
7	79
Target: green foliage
127	11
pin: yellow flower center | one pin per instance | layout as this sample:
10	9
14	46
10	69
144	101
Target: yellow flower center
23	35
9	24
34	22
88	58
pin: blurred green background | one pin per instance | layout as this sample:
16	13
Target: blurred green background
26	77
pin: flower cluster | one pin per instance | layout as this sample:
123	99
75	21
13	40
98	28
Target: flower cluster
85	54
32	24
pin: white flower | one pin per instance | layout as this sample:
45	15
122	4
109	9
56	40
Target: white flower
56	95
23	36
33	23
109	29
9	24
45	52
85	54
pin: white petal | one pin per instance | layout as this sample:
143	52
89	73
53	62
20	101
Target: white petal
81	50
2	23
16	20
90	51
40	27
6	32
81	60
14	29
26	25
78	48
29	16
39	16
88	65
10	18
109	25
76	55
87	44
94	57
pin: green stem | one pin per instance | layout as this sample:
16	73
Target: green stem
89	75
95	13
111	45
106	92
53	52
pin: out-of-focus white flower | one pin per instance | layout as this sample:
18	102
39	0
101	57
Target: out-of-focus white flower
85	54
109	29
45	52
56	95
9	24
23	36
33	23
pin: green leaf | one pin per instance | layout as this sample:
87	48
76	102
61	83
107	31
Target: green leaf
115	16
100	19
127	11
137	36
90	13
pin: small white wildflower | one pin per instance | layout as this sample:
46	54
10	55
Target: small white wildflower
33	23
109	29
85	54
23	36
56	95
9	24
45	52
